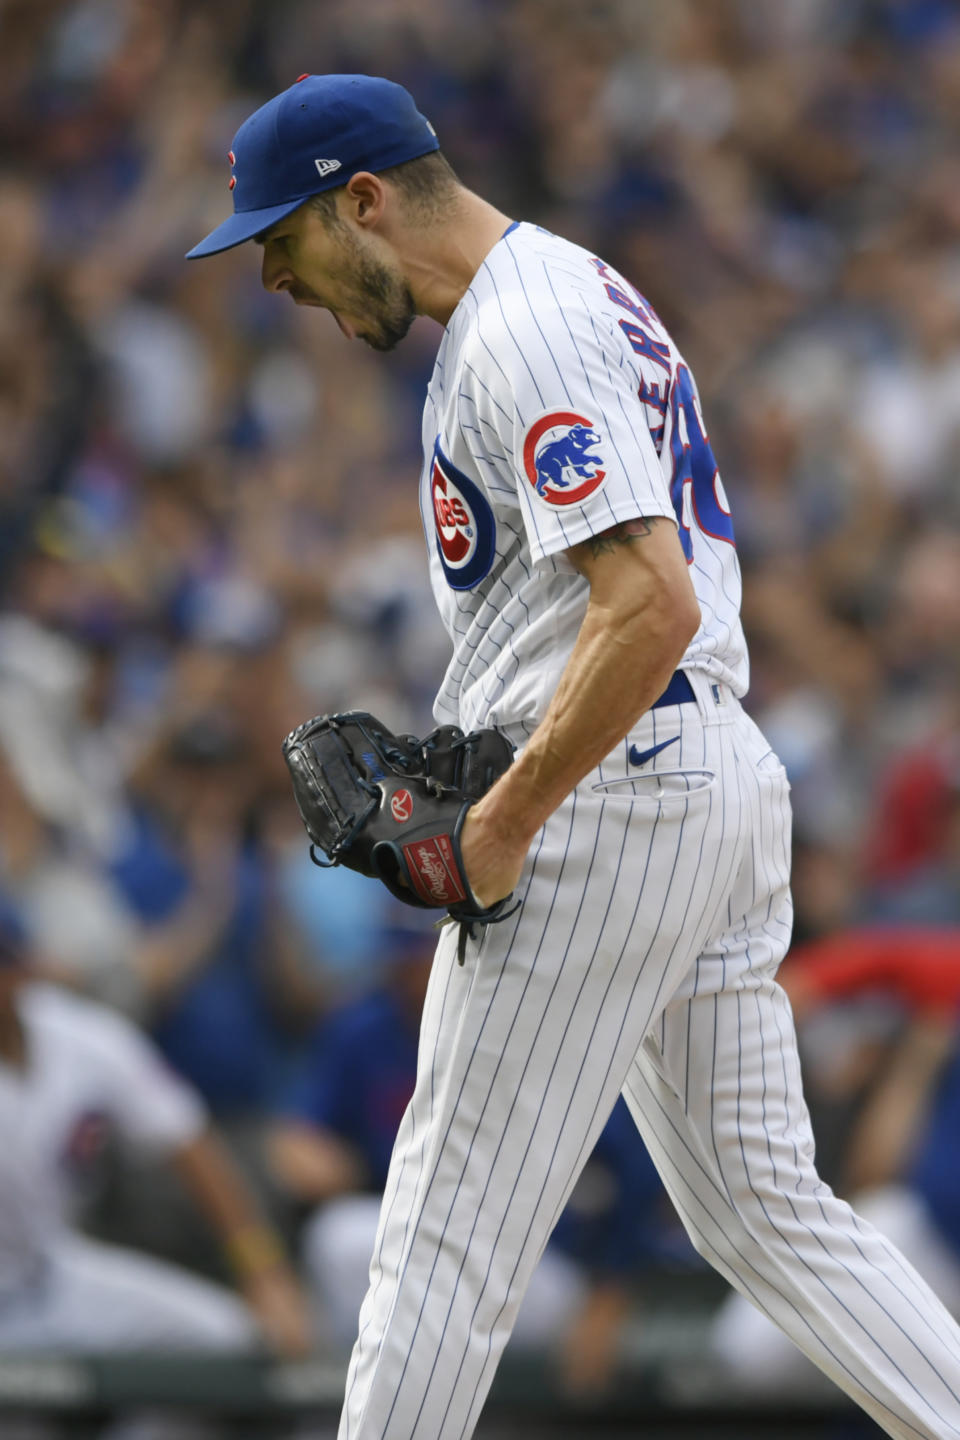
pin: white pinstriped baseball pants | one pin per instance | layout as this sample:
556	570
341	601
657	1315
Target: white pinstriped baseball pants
643	959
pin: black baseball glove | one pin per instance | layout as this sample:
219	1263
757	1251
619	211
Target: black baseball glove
392	807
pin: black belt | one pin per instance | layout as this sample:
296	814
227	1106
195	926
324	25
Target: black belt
678	692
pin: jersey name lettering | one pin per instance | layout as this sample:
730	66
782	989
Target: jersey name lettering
694	465
690	450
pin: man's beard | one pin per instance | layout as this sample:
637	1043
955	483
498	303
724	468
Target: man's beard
383	295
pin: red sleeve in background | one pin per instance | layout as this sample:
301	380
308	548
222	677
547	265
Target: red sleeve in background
919	965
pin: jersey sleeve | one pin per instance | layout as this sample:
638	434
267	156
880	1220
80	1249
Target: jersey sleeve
559	418
151	1105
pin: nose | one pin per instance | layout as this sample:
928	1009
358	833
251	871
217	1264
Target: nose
274	274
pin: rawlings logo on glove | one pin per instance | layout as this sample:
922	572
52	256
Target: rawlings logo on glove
434	871
392	807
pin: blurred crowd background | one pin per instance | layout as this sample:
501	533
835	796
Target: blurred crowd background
209	525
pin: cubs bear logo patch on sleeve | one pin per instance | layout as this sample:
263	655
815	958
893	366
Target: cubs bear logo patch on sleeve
561	457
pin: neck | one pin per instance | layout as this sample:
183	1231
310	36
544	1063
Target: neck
442	260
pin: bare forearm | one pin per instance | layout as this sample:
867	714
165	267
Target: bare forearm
252	1246
311	1164
640	617
226	1199
888	1129
169	958
618	667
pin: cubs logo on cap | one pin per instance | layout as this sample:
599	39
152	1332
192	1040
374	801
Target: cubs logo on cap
466	529
560	457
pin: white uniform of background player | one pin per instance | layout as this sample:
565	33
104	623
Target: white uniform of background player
655	911
86	1067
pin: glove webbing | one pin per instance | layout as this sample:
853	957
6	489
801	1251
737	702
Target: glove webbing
341	780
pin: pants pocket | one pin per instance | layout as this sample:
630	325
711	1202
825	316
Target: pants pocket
659	788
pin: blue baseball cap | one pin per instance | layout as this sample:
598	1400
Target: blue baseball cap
310	138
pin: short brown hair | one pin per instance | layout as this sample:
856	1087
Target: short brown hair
427	184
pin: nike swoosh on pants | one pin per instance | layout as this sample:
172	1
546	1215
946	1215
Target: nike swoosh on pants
640	757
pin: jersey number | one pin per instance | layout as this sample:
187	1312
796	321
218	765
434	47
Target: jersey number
695	488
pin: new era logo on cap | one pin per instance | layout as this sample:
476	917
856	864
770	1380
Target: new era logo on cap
364	121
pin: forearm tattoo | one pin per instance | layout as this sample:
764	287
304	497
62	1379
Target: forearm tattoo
623	534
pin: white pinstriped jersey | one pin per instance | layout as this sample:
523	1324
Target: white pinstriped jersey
653	906
558	407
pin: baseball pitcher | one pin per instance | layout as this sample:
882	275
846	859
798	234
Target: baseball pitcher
616	872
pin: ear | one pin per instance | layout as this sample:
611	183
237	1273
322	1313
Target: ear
365	198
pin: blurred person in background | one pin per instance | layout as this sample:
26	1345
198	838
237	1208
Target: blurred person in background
879	1011
216	999
75	916
911	873
47	381
69	1070
330	1150
228	992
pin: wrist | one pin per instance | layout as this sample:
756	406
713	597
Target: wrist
504	814
254	1249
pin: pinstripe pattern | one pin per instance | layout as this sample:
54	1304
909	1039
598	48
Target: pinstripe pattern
655	912
643	959
536	332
